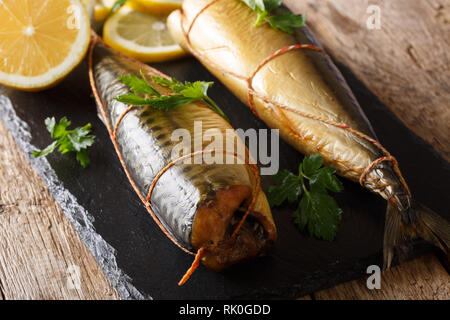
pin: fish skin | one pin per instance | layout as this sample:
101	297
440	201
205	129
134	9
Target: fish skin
144	140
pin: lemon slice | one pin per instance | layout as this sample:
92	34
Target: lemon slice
141	35
41	41
156	6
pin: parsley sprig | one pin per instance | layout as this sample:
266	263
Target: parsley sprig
146	95
284	21
316	211
76	141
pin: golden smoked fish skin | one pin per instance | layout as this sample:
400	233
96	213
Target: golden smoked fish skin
189	197
309	82
302	79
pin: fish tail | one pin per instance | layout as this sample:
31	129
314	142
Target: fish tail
417	221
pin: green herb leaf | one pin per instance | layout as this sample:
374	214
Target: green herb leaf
50	123
289	189
316	211
319	214
83	158
138	86
132	99
198	90
172	83
80	139
57	129
325	179
311	164
46	151
187	92
301	215
167	103
263	5
68	141
284	22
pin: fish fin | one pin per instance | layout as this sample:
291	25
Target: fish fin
401	227
434	228
394	235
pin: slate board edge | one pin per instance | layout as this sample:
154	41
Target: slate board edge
81	220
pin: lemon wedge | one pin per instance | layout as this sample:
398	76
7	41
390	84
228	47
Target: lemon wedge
41	41
156	6
141	36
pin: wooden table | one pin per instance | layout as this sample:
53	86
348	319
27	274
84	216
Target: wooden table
405	63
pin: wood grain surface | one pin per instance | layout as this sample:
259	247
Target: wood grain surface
40	252
422	278
406	62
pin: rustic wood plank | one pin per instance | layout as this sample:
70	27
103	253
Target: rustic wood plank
405	63
39	249
419	279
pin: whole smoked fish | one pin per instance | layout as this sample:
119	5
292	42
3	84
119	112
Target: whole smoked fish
198	206
292	85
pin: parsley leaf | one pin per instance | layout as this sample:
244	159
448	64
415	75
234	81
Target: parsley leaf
311	164
263	5
132	99
171	83
324	180
289	189
319	214
316	211
287	21
284	22
75	141
138	86
197	90
46	151
83	158
185	93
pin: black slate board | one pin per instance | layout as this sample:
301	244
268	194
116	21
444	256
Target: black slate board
297	265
